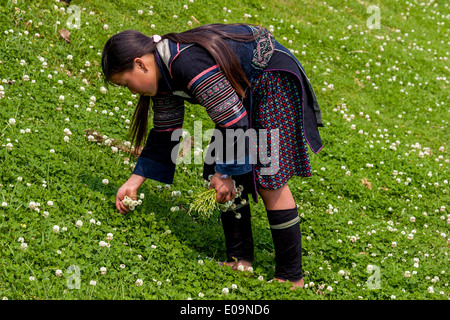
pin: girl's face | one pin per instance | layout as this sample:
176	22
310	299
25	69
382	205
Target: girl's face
142	79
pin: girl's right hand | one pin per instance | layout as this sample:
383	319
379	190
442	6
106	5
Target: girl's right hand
130	189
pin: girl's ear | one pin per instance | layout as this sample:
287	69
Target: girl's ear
140	63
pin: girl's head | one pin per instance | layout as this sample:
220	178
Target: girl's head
121	50
128	59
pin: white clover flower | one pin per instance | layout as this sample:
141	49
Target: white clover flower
105	181
79	224
31	278
200	295
61	98
23	246
55	229
260	278
240	267
103	270
12	121
430	289
139	282
92	221
93	283
58	273
102	244
200	262
234	286
4	204
66	138
225	291
109	236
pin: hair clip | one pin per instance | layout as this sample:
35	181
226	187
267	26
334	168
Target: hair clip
156	38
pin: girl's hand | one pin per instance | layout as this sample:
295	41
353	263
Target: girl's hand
129	188
224	187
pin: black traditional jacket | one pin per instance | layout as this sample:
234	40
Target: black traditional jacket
189	73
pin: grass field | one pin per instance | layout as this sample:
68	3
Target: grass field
374	216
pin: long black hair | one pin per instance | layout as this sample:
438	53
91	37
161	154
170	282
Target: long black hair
122	48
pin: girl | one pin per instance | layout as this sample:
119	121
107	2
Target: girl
247	81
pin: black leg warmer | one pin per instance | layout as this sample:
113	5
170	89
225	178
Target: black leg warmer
287	240
238	233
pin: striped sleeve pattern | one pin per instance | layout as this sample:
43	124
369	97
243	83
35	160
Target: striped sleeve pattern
214	92
168	112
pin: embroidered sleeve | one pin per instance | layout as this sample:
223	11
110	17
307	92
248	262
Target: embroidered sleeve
196	70
158	158
168	112
214	92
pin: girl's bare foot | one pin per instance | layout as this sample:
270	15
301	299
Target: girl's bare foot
295	284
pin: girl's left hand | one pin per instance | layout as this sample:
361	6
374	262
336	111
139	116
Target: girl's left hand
224	187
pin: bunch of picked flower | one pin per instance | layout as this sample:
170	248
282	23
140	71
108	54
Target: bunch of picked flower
130	203
205	203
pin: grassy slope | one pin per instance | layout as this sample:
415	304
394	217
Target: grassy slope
338	49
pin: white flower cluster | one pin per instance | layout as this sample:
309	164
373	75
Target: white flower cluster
230	205
130	203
